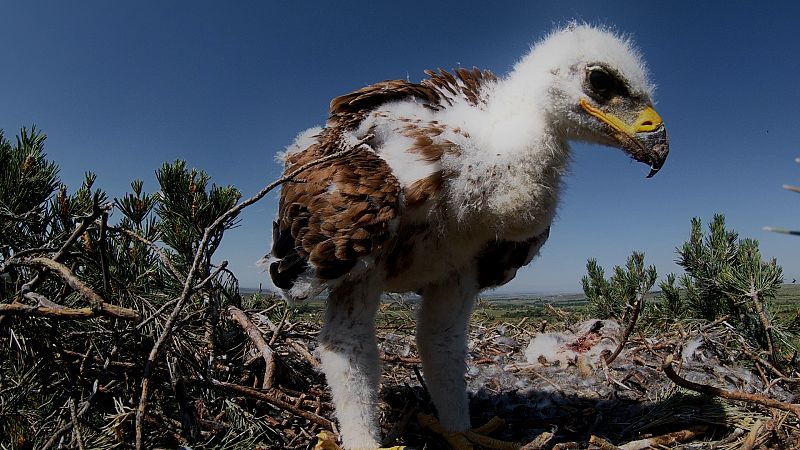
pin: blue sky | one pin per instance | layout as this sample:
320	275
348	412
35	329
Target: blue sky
121	87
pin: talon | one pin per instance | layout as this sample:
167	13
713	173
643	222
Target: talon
464	441
327	441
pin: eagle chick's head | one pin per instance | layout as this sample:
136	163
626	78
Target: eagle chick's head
596	89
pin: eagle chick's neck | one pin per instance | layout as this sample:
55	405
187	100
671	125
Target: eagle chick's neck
522	157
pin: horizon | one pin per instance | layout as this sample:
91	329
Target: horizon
121	88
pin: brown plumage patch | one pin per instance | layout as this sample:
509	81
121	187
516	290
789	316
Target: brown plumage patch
425	145
423	190
467	83
348	110
499	261
338	213
436	92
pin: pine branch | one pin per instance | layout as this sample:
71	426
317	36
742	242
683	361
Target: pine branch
161	255
97	211
189	283
98	304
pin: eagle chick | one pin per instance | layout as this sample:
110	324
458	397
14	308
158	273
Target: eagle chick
445	188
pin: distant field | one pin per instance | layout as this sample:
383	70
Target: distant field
513	308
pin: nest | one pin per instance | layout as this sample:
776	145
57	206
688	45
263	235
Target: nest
550	383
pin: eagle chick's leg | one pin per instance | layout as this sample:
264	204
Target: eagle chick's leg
442	343
350	361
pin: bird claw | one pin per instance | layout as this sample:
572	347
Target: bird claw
464	441
327	441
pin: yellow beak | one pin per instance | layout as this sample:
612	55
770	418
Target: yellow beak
648	120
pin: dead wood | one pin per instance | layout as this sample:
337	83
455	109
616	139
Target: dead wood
261	395
731	395
666	439
97	303
637	307
258	341
68	313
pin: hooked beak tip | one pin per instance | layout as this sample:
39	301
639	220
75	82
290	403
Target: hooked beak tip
659	154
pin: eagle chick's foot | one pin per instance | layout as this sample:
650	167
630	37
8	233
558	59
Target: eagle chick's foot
464	441
326	441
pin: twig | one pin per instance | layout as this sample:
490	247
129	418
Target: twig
106	362
561	314
637	306
665	439
732	395
311	417
410	359
277	331
75	429
104	252
61	312
258	341
601	444
400	425
68	426
97	210
758	359
750	441
540	442
213	274
40	299
304	353
97	302
158	312
765	322
188	284
161	255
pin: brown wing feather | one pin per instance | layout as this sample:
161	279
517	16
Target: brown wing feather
435	92
348	110
334	215
467	83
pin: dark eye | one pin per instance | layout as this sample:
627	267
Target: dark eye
601	82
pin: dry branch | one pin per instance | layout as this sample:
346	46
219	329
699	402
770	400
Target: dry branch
97	211
598	443
97	303
258	341
21	309
666	439
260	395
161	255
731	395
188	286
765	323
637	307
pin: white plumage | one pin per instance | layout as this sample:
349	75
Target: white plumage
445	188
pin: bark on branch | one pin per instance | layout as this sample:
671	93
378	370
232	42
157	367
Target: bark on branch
259	395
98	304
637	307
258	341
21	309
731	395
